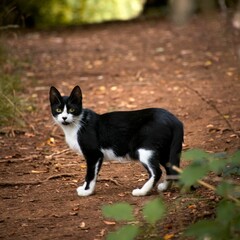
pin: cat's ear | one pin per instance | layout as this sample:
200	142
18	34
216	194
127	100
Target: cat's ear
76	95
54	96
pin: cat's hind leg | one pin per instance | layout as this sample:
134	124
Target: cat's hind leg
172	158
171	176
147	158
165	185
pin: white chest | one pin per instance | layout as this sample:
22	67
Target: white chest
71	137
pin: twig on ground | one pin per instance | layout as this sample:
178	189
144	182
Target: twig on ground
215	108
19	183
37	182
14	160
109	180
57	153
207	185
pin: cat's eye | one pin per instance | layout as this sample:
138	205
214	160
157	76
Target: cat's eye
71	110
58	110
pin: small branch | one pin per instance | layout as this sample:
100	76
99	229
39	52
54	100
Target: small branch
60	175
216	110
13	184
15	160
57	153
109	180
22	183
207	185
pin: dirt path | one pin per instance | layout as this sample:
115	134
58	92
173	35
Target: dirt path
192	71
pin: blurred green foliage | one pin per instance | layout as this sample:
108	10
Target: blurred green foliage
226	223
9	85
152	212
47	13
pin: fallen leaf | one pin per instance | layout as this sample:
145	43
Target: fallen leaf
83	166
97	62
24	225
29	135
109	223
39	171
121	194
113	88
193	206
76	208
131	106
73	213
102	88
159	50
102	233
185	52
207	63
51	141
131	99
30	74
168	236
83	226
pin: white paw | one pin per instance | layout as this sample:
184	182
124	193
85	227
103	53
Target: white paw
82	192
138	192
163	186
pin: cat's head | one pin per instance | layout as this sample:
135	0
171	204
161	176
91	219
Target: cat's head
66	110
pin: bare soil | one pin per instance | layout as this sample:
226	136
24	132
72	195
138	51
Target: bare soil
190	70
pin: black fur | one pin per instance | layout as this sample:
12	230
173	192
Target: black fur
124	132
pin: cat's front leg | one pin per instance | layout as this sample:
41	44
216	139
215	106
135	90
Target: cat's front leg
89	185
83	192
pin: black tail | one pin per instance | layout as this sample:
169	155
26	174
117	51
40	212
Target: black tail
176	147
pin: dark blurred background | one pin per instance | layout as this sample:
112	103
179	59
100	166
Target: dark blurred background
54	13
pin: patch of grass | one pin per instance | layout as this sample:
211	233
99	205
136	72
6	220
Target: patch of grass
9	86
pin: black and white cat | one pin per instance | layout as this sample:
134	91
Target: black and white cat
153	136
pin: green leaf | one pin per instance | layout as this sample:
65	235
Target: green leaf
233	166
193	154
224	189
119	212
220	155
192	173
231	169
217	165
153	210
237	222
203	229
226	211
128	232
235	158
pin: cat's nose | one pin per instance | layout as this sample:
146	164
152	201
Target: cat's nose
64	118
